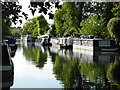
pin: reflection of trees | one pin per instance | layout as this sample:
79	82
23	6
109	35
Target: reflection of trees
35	55
113	75
94	75
75	74
67	72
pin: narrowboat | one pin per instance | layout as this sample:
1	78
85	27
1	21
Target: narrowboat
95	44
6	68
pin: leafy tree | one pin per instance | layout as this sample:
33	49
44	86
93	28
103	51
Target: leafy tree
43	7
59	20
116	9
10	13
98	8
113	27
42	25
53	31
35	26
70	17
15	32
94	25
66	19
6	23
11	10
30	27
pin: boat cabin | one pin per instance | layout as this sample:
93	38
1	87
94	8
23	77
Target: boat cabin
66	42
95	44
43	40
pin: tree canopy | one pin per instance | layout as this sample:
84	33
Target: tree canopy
94	25
67	18
114	28
36	26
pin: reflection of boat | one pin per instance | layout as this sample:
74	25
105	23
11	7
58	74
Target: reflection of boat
6	68
86	55
90	56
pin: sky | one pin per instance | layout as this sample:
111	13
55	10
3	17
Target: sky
25	4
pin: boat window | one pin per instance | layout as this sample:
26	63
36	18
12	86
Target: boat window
104	43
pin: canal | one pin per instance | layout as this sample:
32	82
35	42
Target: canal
48	67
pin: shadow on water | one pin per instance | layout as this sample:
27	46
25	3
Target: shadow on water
78	68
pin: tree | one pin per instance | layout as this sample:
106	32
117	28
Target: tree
30	27
44	7
15	32
113	27
10	13
36	26
66	19
53	31
11	10
42	25
59	20
94	25
116	9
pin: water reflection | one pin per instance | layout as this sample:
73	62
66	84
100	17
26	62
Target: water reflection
35	55
87	70
52	67
33	68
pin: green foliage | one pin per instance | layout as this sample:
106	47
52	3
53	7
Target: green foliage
30	27
94	25
42	25
35	26
59	20
53	31
67	71
15	32
66	19
113	74
93	72
10	14
6	23
35	55
116	9
113	27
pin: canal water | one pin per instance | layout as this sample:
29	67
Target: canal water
48	67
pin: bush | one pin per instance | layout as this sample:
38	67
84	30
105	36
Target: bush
113	27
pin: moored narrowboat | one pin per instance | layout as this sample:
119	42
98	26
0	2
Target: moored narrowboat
95	44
